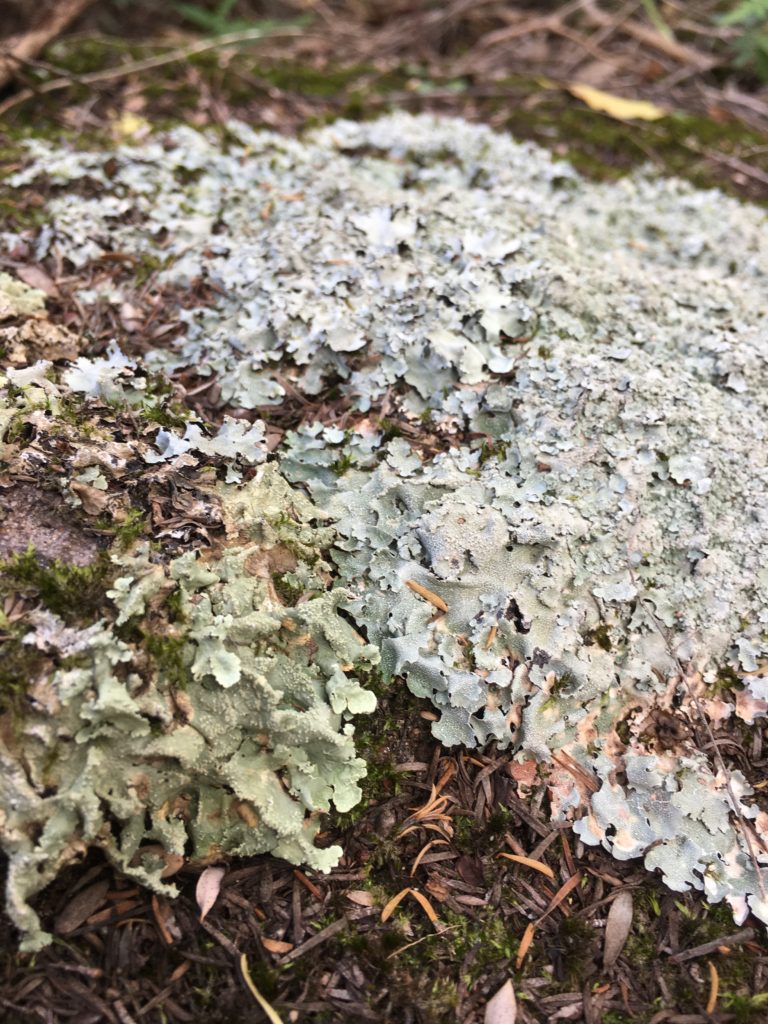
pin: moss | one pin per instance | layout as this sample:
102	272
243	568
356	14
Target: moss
75	592
319	82
169	655
133	526
20	664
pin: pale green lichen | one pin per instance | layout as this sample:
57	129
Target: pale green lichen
231	743
18	299
600	350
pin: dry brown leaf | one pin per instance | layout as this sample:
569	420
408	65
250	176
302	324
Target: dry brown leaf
562	893
131	317
361	897
428	595
82	905
537	865
36	277
425	849
165	920
277	946
616	106
617	927
525	944
502	1008
208	888
714	987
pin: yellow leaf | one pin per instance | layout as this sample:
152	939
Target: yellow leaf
616	106
130	124
272	1016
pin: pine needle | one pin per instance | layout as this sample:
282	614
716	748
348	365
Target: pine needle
272	1016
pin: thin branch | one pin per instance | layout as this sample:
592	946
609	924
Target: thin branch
28	44
232	39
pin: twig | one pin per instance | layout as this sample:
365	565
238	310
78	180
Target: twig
716	755
678	51
746	935
28	44
148	64
316	940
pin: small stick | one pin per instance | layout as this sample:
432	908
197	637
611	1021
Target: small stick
737	939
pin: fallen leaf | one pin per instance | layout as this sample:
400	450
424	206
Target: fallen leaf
617	927
714	986
428	595
80	908
131	317
207	889
277	946
616	106
165	920
360	897
502	1008
525	944
272	1016
36	277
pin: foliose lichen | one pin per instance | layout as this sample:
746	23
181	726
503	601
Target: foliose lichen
586	555
200	715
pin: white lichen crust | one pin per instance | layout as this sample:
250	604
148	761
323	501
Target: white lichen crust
597	357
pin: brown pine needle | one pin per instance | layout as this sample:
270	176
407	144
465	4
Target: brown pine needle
447	775
424	850
424	903
441	831
537	865
393	904
525	944
433	599
491	636
714	986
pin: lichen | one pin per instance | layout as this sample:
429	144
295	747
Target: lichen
589	554
187	712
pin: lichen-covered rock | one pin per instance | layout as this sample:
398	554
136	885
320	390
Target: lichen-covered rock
595	357
205	712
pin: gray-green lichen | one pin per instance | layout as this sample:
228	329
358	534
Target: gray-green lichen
202	716
595	357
